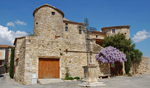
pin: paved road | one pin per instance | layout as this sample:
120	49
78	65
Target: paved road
142	81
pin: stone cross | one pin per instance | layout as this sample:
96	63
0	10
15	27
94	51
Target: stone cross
87	30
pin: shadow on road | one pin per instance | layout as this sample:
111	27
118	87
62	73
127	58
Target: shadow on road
1	75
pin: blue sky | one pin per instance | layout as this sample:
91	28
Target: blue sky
16	17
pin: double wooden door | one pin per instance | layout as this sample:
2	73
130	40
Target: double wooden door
116	69
48	68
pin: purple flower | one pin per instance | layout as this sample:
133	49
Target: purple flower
110	55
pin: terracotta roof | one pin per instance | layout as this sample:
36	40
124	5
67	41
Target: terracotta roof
46	5
18	38
5	46
71	22
124	26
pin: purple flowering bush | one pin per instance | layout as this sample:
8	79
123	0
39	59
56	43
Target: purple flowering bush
110	55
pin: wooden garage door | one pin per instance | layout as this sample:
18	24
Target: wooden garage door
48	68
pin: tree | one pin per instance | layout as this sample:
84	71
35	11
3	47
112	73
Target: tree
11	69
127	63
119	41
125	45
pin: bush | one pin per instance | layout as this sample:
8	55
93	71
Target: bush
70	78
76	77
67	75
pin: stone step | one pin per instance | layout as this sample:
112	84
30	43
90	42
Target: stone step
47	81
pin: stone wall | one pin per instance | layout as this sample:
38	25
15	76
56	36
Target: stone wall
19	61
46	24
72	34
36	47
97	36
142	67
125	31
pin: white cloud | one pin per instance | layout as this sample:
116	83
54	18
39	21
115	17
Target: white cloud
8	36
10	24
20	22
140	36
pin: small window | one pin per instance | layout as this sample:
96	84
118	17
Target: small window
125	33
66	24
96	36
36	22
80	31
53	13
66	28
113	30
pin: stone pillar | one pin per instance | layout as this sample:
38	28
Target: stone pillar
90	74
123	68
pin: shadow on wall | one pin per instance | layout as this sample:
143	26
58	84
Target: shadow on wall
2	69
104	68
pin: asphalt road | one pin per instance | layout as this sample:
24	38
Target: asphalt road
141	81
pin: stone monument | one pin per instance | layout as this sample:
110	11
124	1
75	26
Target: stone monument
90	75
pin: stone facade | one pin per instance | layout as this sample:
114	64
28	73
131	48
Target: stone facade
110	31
5	53
55	37
142	67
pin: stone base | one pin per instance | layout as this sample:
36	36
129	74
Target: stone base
90	73
87	84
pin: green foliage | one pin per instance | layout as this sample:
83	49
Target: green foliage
67	73
128	63
11	69
136	59
69	78
120	42
136	55
76	77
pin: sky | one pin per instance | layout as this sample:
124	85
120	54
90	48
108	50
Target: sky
16	17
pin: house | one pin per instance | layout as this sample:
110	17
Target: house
5	52
57	45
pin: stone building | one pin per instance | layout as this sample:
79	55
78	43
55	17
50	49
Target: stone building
58	44
5	52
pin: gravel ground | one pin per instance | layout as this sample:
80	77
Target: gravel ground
140	81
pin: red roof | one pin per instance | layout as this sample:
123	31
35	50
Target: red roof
5	46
